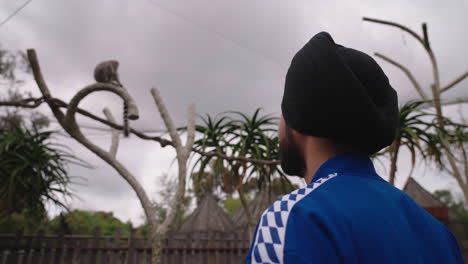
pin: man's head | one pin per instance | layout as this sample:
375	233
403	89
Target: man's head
337	96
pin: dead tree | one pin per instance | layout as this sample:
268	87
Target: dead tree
68	123
460	173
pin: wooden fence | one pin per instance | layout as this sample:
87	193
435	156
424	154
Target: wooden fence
181	248
460	230
194	248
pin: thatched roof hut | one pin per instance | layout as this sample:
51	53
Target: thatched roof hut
421	195
208	216
426	200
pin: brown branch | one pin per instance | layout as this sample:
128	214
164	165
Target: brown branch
426	36
430	104
25	103
407	72
36	69
115	134
454	82
406	29
163	142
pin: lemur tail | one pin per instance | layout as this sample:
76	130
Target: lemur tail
125	120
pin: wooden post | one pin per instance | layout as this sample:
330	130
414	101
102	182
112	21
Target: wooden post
117	254
27	248
217	245
40	242
130	259
16	248
94	246
108	254
63	244
5	254
148	246
77	243
186	245
32	251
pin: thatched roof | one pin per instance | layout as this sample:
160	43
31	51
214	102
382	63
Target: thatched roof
260	203
421	195
208	216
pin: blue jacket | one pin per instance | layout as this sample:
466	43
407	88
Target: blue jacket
348	214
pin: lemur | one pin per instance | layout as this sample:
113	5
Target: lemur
106	72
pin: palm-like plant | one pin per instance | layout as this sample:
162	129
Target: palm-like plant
32	172
257	139
237	134
415	133
457	138
217	137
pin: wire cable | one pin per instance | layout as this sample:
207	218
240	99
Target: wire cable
206	29
15	12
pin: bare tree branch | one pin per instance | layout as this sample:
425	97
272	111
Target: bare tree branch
183	153
36	69
115	133
73	105
68	122
166	118
408	74
190	125
164	142
406	29
25	103
426	36
436	101
429	104
454	82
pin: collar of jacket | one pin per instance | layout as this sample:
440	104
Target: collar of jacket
348	164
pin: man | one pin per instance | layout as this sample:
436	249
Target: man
338	108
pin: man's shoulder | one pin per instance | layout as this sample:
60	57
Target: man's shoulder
269	240
287	202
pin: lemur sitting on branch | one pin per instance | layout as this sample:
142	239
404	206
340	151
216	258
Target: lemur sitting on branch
106	72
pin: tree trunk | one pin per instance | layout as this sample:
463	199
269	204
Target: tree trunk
156	250
395	148
248	213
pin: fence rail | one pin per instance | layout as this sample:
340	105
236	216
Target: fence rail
181	248
194	248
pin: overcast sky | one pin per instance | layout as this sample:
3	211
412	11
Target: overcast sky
222	55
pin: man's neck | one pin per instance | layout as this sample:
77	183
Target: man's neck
316	152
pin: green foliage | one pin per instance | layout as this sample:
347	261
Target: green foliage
32	172
82	222
76	222
236	134
417	132
23	222
12	62
13	118
278	186
166	198
13	67
231	205
457	208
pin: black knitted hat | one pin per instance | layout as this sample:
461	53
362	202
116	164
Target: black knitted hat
340	93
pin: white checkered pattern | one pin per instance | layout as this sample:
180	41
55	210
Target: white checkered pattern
269	241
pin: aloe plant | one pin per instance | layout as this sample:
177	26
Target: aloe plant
237	134
32	171
417	133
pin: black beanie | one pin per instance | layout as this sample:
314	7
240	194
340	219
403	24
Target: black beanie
340	93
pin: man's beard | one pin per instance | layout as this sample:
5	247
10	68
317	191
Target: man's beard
292	159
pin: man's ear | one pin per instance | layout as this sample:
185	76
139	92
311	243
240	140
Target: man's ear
299	138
